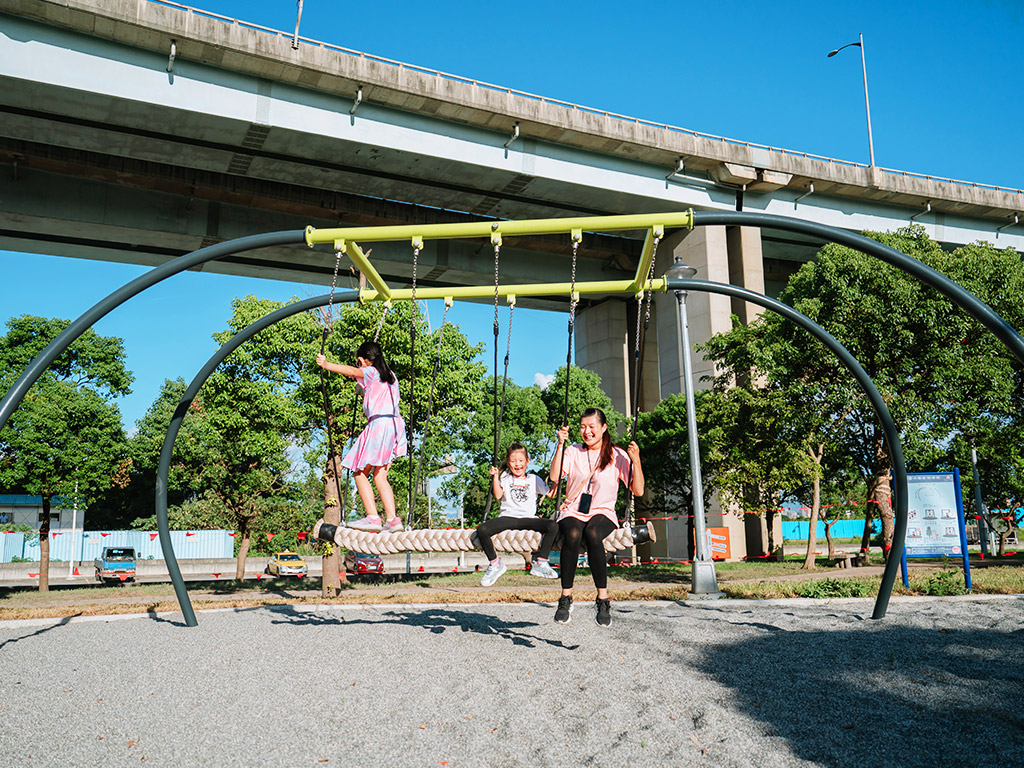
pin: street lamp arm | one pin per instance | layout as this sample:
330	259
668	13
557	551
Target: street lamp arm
837	50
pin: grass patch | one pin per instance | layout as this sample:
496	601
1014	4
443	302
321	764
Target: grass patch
993	580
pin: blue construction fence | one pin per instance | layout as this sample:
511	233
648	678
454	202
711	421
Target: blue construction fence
187	545
843	529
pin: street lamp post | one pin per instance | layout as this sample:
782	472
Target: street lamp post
703	580
867	104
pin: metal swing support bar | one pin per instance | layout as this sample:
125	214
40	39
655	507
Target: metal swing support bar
345	239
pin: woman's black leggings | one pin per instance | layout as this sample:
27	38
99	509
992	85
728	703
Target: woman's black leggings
498	524
594	531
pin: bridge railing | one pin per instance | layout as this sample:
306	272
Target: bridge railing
570	105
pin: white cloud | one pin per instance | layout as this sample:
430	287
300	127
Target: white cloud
543	380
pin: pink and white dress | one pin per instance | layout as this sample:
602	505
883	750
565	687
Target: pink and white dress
383	439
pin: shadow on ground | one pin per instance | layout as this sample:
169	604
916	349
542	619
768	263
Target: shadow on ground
61	623
434	620
881	695
645	574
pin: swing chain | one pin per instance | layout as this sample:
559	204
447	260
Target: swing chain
415	261
430	409
508	342
572	285
440	333
640	299
334	281
380	324
650	280
497	253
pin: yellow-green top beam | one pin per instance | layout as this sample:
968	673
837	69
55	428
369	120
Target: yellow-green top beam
495	229
363	264
534	289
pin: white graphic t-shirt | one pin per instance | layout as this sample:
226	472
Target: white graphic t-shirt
519	494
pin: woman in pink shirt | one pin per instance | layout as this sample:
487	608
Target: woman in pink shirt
592	470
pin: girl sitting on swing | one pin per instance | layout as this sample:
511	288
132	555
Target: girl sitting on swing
518	492
381	442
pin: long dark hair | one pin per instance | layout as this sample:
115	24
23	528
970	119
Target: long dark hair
370	350
606	439
508	455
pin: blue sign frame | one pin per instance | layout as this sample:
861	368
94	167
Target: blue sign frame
934	502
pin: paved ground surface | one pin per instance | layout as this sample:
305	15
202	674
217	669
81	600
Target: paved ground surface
728	683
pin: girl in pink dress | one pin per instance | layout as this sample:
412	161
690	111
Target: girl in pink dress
383	439
593	470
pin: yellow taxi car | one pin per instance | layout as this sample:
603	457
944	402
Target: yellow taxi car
287	564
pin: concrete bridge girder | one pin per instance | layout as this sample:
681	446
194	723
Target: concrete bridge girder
224	120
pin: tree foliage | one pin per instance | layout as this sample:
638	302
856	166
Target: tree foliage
65	439
943	376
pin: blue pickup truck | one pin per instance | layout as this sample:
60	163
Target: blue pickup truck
115	564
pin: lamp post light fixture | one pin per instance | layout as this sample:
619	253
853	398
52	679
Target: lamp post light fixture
867	104
703	580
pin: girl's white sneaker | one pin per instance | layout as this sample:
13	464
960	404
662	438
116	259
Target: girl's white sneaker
368	523
543	569
394	525
492	573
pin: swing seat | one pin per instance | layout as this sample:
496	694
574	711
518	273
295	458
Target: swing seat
460	539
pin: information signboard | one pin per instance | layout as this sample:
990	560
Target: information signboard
935	519
718	543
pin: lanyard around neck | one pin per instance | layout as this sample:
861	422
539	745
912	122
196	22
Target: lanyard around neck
590	480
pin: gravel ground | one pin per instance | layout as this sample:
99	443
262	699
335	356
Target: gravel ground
729	683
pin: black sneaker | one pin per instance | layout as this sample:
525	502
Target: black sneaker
564	609
604	612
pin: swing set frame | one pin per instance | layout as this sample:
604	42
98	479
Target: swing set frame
345	239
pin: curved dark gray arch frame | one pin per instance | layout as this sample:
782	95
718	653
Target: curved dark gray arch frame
962	298
888	427
87	319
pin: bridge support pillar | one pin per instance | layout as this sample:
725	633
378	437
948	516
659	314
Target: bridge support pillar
606	344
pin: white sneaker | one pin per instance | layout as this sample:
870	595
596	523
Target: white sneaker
394	525
543	569
367	523
492	573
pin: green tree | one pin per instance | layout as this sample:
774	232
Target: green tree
66	437
584	392
129	503
939	371
785	424
937	368
234	459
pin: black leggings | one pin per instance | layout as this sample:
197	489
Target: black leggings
498	524
594	531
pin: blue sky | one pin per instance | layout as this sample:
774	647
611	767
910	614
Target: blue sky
943	81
